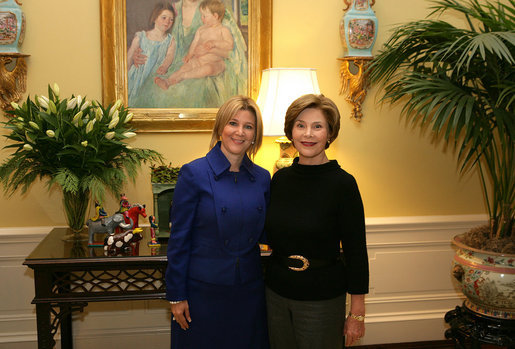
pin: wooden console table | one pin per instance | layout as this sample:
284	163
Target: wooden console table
68	274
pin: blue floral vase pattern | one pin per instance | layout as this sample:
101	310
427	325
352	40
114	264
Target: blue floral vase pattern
12	26
358	28
487	279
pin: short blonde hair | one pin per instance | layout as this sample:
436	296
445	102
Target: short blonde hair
214	6
320	102
230	108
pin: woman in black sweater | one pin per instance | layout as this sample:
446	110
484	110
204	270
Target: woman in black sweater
315	208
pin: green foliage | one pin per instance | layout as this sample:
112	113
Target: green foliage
461	83
75	143
164	174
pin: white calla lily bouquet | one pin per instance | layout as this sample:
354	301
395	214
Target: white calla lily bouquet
75	143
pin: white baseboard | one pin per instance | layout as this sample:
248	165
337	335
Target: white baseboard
398	310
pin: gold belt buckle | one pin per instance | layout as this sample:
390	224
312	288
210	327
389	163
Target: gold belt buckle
305	262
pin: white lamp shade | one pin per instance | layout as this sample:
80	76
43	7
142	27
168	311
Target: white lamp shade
279	88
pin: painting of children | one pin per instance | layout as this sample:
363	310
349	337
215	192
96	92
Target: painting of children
205	61
156	45
211	45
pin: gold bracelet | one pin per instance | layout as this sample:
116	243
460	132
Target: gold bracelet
357	317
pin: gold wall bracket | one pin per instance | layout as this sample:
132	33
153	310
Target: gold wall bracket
353	82
13	78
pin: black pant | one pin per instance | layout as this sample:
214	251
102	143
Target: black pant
296	324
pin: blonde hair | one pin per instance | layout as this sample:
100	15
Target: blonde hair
215	6
320	102
230	108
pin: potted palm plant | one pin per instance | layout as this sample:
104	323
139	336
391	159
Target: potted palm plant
460	81
74	143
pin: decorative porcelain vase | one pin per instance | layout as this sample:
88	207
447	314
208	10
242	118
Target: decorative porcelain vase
75	206
358	28
12	26
487	279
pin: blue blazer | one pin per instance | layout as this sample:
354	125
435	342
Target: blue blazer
217	220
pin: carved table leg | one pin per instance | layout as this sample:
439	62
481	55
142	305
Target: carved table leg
66	327
51	316
45	335
63	319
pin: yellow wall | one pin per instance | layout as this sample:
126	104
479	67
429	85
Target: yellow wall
399	171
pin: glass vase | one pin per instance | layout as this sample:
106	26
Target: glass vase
75	206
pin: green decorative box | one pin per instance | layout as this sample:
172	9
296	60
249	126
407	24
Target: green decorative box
163	197
163	180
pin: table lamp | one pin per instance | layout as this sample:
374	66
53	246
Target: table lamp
279	88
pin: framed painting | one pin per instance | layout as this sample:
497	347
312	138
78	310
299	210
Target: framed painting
170	95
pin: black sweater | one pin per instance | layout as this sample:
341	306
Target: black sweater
313	209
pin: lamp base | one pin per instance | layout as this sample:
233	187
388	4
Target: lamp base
287	153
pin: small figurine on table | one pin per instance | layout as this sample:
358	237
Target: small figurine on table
153	227
122	243
124	204
99	212
134	212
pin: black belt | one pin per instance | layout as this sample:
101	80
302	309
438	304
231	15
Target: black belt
301	263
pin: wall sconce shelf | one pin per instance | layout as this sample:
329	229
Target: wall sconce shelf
13	78
353	82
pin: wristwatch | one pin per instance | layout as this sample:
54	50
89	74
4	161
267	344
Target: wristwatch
357	317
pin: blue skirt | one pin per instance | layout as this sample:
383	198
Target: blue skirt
224	317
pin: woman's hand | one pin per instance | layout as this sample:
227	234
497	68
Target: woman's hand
181	314
209	45
353	330
354	327
139	58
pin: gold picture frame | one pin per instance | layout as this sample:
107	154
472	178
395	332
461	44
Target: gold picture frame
114	68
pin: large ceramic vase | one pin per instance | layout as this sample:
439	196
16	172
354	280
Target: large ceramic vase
487	279
12	26
358	28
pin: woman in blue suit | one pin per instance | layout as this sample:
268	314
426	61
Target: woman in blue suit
214	277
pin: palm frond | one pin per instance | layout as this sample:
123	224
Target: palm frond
461	83
506	95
